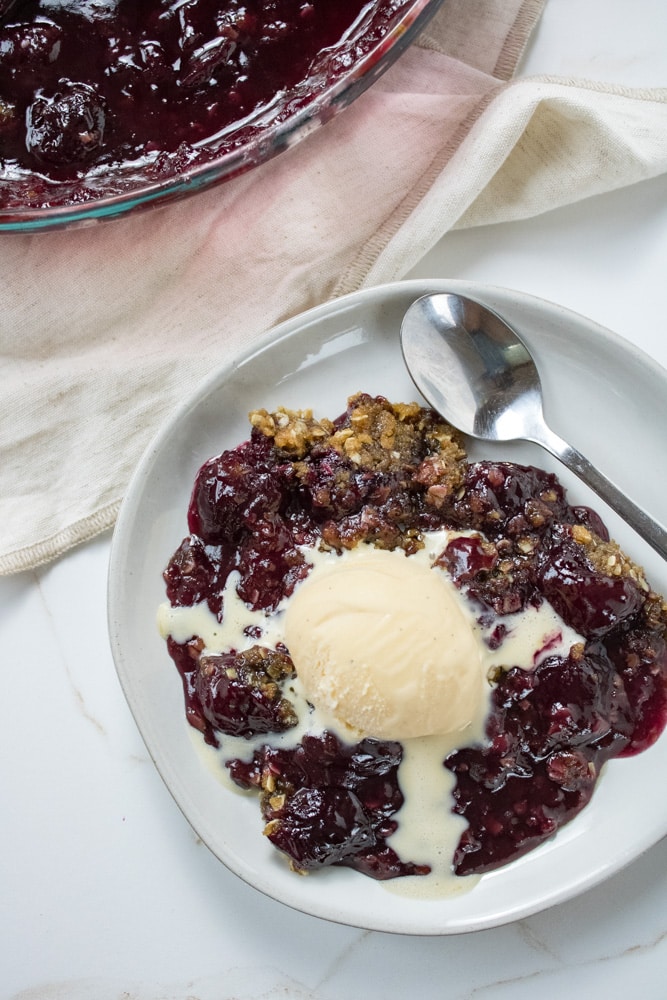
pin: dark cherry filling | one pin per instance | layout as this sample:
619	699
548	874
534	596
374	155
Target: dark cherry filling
589	601
88	84
549	731
326	803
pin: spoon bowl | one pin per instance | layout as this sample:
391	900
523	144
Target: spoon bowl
475	370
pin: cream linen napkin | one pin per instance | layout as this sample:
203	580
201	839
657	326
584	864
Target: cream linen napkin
104	330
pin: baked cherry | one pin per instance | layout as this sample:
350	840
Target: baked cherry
66	127
240	693
234	491
588	599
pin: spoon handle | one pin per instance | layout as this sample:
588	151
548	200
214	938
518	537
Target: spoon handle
638	519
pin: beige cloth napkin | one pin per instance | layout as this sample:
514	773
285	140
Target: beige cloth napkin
103	330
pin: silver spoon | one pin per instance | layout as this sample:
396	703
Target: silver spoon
476	372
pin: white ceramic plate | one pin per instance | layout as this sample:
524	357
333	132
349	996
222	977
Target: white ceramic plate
601	394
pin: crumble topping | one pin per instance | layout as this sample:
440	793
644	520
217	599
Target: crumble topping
375	434
294	432
379	452
607	556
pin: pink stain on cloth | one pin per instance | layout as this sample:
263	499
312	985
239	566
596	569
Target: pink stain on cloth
104	329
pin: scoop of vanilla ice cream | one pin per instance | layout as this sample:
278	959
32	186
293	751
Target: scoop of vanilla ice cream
380	640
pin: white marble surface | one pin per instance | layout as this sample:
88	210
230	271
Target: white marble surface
105	893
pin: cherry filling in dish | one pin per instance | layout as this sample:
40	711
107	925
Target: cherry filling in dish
89	85
389	477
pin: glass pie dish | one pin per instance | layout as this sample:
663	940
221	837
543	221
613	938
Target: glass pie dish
70	157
